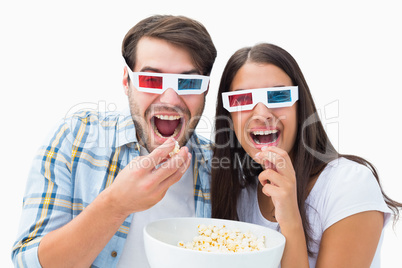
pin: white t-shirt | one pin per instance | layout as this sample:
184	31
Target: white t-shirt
343	188
177	202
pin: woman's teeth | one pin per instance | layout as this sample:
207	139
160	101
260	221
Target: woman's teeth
264	136
265	132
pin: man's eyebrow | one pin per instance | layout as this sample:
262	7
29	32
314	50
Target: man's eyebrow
150	69
156	70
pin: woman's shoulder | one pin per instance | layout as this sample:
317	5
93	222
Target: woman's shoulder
344	179
342	170
345	187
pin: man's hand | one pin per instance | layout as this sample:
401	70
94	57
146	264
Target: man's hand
145	180
139	186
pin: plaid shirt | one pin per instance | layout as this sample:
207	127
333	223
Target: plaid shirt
77	162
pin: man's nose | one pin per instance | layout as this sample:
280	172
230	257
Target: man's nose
170	97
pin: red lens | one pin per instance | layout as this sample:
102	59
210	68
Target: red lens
240	99
150	81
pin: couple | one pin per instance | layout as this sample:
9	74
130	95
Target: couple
87	204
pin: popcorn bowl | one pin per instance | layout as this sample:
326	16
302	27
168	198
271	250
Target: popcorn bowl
161	245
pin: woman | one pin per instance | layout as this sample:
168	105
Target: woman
285	173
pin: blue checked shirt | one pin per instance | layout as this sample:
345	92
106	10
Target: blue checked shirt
74	165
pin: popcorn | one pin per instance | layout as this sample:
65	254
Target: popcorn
220	239
175	149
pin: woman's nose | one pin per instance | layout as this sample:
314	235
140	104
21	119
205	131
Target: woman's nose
262	110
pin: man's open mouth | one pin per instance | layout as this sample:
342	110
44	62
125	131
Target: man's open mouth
265	137
166	126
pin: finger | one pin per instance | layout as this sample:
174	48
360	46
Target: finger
154	179
270	176
269	189
176	160
176	176
279	158
161	153
266	158
275	156
268	165
172	165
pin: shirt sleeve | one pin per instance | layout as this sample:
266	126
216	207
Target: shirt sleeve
47	203
352	188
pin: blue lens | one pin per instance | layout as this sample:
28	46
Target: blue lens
279	96
189	84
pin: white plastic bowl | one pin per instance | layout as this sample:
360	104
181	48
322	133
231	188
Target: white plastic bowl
161	238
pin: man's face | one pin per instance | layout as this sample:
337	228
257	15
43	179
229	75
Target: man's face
160	116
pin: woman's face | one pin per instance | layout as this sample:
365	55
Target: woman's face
263	126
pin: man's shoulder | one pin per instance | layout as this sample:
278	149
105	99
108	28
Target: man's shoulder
96	117
112	128
92	118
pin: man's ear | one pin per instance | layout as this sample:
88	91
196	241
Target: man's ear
126	84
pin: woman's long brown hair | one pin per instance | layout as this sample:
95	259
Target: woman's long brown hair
311	153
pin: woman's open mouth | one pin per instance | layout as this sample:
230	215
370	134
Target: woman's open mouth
265	137
166	126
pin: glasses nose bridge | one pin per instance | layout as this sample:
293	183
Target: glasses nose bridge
259	99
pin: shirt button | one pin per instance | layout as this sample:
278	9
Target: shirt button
114	254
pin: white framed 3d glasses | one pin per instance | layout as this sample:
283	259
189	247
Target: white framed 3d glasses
274	97
157	83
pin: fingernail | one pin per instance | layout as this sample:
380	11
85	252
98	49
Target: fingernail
258	154
264	148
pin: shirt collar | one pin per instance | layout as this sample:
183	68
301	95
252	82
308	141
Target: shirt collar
201	147
126	133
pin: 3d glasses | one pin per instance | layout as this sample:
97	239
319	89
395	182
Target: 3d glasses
275	97
183	84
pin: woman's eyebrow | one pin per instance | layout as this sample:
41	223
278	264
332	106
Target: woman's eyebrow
192	71
238	89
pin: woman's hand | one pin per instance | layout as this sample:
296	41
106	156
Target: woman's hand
279	182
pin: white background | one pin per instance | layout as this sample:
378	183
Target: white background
57	57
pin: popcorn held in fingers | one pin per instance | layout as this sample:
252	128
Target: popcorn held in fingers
175	149
220	239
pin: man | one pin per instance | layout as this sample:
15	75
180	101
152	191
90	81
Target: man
100	178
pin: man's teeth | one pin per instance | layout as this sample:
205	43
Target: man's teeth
168	117
265	132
